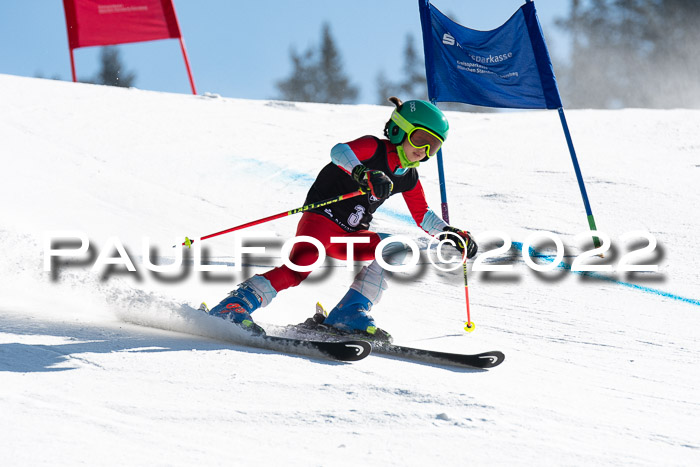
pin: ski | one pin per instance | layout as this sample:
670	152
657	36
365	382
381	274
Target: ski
481	360
345	350
313	328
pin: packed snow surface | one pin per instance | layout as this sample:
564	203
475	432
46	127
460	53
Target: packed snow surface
101	366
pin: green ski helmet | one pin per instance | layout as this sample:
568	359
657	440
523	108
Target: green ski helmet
417	113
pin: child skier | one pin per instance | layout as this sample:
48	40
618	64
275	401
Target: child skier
382	167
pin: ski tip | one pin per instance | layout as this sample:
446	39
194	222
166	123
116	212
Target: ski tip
348	351
490	359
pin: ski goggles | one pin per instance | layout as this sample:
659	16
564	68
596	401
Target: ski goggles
418	137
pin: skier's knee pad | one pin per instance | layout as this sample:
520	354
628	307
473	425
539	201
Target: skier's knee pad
370	282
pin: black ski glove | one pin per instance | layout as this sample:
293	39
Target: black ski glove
459	238
375	180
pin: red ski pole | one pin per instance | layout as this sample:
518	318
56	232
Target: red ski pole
319	204
469	326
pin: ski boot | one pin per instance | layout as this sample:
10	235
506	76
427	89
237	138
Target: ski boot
238	306
351	316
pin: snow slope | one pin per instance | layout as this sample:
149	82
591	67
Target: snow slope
599	370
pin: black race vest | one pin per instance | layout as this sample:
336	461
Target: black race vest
355	213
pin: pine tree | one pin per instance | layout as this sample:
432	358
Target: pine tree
412	83
317	75
302	85
112	70
632	53
335	86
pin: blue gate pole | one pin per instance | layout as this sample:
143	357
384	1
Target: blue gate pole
579	177
443	188
443	185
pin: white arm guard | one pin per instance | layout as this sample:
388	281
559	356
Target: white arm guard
343	157
432	223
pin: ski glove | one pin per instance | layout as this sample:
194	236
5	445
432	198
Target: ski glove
375	180
458	238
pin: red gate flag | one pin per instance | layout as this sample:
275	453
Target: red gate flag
110	22
106	22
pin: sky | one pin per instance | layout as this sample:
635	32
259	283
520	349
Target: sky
241	49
